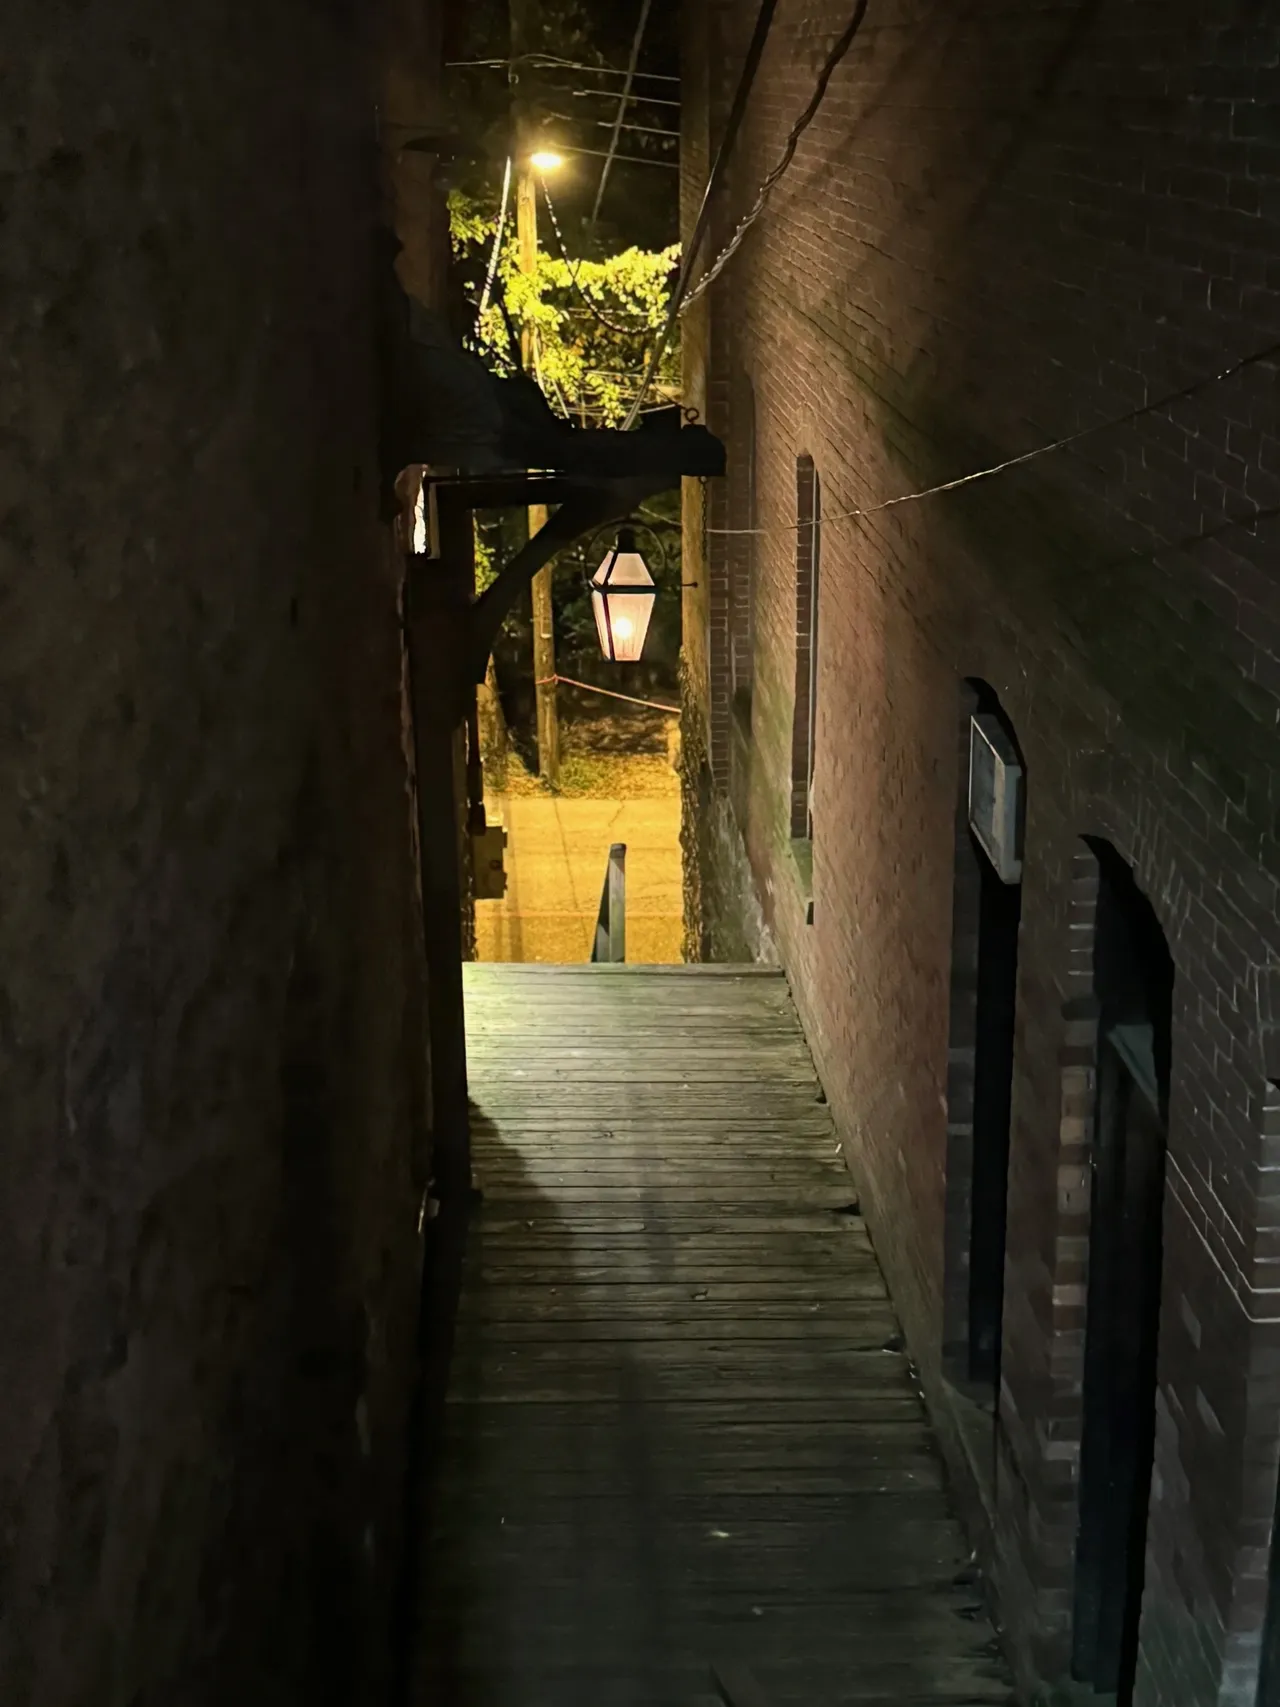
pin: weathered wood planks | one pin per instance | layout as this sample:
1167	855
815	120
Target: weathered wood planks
679	1428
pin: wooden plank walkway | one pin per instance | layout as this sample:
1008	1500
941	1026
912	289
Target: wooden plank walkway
679	1430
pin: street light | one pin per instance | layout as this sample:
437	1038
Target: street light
546	160
622	594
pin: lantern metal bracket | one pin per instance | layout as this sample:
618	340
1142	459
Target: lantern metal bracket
581	503
630	524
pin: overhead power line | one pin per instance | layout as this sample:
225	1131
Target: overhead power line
1156	406
609	325
607	95
839	49
550	60
733	124
497	238
625	96
631	159
601	124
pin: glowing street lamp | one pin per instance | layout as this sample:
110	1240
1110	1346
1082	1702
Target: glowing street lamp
546	160
622	594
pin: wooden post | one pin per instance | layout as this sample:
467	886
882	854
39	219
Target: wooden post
437	602
618	903
611	922
493	731
544	641
544	667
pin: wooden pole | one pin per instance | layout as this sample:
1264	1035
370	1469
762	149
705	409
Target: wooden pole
436	602
544	640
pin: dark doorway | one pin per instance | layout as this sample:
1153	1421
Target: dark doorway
1269	1675
999	914
984	977
1133	983
1269	1671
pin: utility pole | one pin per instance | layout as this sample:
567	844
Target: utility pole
544	639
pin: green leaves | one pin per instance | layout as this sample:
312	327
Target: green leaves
593	321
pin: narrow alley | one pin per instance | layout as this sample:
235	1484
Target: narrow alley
783	491
681	1428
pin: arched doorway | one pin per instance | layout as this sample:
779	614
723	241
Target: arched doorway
1133	987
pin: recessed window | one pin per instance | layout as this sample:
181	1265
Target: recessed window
805	723
742	553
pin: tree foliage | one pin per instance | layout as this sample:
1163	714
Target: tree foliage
595	318
594	321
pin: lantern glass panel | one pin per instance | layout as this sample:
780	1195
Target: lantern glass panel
622	593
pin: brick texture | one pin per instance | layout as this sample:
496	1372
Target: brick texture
1004	227
207	1038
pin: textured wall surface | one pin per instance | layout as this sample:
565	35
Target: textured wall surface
208	1212
1004	227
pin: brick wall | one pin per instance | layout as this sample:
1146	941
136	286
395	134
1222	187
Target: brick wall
1005	227
723	916
209	1205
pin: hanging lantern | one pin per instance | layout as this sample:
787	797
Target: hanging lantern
622	593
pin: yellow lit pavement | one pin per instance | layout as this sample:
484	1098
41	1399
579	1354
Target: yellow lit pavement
556	855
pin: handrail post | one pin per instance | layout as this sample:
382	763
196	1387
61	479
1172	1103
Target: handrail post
618	903
611	923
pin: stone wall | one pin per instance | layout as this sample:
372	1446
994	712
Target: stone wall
207	942
1004	228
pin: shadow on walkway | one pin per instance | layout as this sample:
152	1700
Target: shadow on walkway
680	1428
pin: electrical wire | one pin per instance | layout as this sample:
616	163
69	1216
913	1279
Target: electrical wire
673	522
607	124
491	274
611	326
550	59
547	381
733	124
629	159
606	95
839	49
622	109
1155	406
513	337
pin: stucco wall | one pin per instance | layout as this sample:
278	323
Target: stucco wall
209	1206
